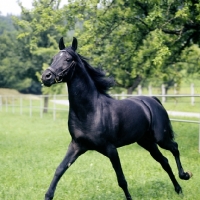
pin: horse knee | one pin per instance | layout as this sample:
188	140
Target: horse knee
174	149
122	183
167	167
164	162
60	171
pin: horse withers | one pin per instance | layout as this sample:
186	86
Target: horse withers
99	122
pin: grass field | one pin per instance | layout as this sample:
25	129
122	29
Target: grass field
31	149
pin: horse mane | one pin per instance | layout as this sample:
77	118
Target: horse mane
98	76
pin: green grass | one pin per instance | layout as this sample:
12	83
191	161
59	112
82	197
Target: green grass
31	149
182	106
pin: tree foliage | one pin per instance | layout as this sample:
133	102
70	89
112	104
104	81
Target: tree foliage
136	42
38	31
11	65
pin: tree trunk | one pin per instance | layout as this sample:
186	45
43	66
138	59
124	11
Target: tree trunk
135	84
130	90
46	103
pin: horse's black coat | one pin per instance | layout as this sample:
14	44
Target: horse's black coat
99	122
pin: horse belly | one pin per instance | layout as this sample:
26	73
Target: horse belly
132	133
133	125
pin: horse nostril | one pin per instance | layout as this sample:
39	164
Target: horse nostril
48	75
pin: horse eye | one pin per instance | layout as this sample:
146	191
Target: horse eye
68	59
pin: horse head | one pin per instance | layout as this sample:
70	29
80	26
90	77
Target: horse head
62	66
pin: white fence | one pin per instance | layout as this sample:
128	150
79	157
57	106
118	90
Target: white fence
56	103
30	104
35	105
192	90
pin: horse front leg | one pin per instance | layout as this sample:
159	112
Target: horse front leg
73	152
111	152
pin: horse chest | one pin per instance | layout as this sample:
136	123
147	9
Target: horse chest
86	135
87	140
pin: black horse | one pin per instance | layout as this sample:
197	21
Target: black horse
99	122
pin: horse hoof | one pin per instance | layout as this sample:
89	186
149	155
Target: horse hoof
185	175
47	197
178	190
190	174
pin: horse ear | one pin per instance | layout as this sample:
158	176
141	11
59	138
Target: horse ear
61	44
74	44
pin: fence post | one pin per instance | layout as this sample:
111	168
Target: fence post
123	96
175	88
21	104
30	107
13	105
199	134
163	93
6	99
139	90
150	90
41	108
192	93
54	107
1	104
175	92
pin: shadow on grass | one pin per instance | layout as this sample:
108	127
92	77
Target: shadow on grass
151	190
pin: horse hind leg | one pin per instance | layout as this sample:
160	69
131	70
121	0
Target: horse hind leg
173	147
157	155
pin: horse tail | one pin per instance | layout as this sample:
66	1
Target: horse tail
172	133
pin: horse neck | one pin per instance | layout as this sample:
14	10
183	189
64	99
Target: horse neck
82	92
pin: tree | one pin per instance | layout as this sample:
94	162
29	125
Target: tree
136	40
6	24
11	66
38	33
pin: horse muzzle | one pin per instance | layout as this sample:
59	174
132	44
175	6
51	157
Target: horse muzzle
48	78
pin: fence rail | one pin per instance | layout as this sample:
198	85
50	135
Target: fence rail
30	103
38	105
